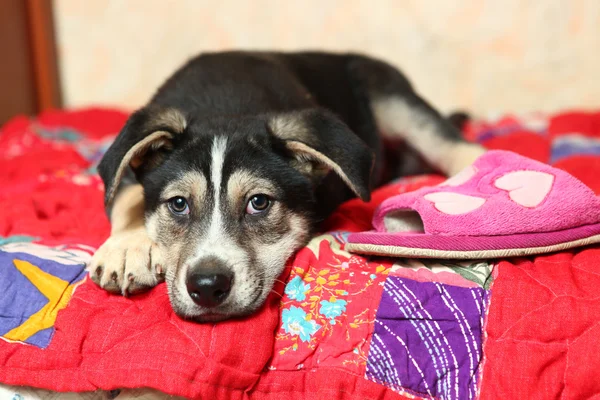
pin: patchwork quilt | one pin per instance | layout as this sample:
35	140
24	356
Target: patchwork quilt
339	326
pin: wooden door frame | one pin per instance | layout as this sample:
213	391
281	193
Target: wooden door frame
42	45
28	58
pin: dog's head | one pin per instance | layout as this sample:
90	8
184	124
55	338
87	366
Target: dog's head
229	200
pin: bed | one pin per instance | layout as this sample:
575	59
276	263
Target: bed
343	326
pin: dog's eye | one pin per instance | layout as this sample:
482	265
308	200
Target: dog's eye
258	203
179	206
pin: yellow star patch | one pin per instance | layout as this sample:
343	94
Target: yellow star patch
57	291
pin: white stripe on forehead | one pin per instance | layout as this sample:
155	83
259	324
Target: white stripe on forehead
216	166
216	176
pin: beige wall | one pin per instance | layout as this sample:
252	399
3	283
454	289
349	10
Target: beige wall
483	55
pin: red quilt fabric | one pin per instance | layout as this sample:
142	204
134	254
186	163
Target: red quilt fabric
342	327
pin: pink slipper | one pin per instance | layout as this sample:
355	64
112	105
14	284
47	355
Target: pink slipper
503	205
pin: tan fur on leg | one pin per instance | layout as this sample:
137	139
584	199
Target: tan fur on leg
400	119
128	262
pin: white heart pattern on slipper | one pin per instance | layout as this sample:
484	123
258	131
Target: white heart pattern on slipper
462	177
526	188
454	203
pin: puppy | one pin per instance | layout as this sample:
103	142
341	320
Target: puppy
229	168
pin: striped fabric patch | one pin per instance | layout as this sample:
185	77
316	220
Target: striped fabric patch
428	338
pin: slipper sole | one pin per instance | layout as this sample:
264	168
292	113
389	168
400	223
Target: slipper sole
421	245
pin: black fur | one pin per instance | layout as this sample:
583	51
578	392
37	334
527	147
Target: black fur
219	93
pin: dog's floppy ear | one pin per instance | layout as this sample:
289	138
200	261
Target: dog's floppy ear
321	142
147	133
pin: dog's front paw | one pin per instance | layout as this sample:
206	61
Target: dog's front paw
127	263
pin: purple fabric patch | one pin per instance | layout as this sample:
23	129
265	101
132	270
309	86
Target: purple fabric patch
428	338
21	299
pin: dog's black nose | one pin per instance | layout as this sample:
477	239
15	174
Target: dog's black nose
209	284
